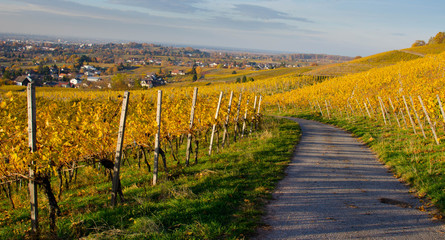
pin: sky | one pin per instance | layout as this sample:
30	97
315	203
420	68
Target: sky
340	27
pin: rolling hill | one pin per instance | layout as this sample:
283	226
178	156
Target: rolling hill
376	61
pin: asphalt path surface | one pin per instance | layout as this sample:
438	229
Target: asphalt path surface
335	188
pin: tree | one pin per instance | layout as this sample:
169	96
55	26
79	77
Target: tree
195	77
112	70
244	79
137	83
198	71
438	39
193	71
83	59
43	70
238	80
118	81
418	43
7	75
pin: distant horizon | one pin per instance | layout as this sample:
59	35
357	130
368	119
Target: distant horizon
72	39
332	27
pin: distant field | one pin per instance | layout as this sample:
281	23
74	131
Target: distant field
12	88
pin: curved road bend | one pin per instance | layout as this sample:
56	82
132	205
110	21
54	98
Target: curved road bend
336	189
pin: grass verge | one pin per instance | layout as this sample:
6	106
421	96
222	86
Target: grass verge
221	197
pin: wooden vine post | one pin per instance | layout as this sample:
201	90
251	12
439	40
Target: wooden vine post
346	111
359	107
31	95
253	115
403	117
417	117
441	108
367	110
352	110
258	113
370	106
157	138
311	105
429	120
383	111
189	136
409	115
327	109
214	124
116	184
394	111
238	108
226	123
245	119
319	108
388	115
332	111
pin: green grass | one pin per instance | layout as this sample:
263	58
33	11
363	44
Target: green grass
417	161
221	197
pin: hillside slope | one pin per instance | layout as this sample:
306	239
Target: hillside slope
427	49
423	76
377	61
395	109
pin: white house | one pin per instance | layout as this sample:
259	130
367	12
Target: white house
94	79
178	72
89	68
147	83
75	81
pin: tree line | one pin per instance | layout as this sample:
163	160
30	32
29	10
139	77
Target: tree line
438	39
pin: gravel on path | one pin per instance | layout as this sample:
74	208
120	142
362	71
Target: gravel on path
335	188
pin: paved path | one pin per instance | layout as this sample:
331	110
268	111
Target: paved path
336	189
414	53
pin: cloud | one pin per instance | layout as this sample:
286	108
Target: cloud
78	11
234	24
73	9
177	6
259	12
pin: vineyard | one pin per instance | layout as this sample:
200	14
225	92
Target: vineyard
77	132
201	138
367	63
381	88
397	110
